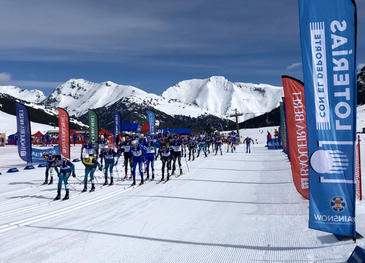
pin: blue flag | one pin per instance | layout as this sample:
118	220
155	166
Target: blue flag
23	132
151	121
117	125
328	40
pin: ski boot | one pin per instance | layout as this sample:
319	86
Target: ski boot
51	181
134	183
142	182
66	195
111	181
58	197
148	177
130	177
181	172
45	182
85	188
168	177
126	176
92	188
106	182
153	177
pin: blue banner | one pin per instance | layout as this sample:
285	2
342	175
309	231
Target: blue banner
24	133
151	121
37	154
117	125
274	144
328	40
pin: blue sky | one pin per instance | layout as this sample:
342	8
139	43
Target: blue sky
151	44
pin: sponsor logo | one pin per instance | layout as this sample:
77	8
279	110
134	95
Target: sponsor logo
338	204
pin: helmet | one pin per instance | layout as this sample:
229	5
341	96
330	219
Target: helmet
148	138
85	156
134	142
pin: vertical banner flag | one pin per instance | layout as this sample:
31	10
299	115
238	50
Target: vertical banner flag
117	125
94	128
151	121
64	133
328	40
297	133
23	132
282	127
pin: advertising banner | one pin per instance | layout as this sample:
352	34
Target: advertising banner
328	40
64	133
37	153
297	133
151	121
117	124
94	128
23	133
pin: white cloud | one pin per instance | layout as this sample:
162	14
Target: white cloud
294	66
4	78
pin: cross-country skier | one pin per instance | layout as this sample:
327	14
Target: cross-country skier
67	168
248	141
103	143
150	157
166	157
50	159
90	164
109	155
128	159
218	144
201	145
138	151
176	153
88	147
192	148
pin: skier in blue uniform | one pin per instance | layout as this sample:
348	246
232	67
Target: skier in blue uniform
192	148
150	157
218	144
88	147
67	168
109	155
50	159
137	151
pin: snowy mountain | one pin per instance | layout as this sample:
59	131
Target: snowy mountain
34	96
196	102
214	96
219	95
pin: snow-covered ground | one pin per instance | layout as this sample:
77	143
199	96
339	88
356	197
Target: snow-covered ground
236	207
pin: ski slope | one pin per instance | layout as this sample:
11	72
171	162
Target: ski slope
236	207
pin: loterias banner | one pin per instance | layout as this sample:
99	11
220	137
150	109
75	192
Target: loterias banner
297	133
117	125
328	40
23	133
64	133
93	128
151	121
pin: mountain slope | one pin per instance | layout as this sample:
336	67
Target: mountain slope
219	95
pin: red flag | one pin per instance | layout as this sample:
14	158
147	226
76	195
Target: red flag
64	133
297	133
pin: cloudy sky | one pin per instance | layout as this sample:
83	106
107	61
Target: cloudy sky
151	44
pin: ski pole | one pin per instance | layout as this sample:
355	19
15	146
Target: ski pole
71	186
187	166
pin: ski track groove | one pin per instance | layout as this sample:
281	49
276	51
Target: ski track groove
22	222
